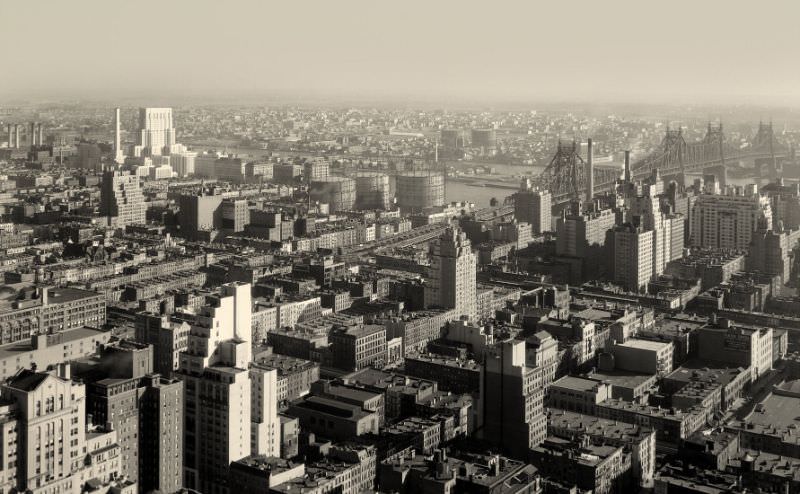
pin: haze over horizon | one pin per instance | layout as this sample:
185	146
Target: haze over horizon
718	52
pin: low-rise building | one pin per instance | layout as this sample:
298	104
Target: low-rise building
578	394
333	419
356	347
738	344
295	375
589	465
643	356
451	374
640	440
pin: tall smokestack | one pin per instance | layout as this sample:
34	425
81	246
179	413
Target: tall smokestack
117	140
32	134
16	136
627	166
41	135
589	171
10	136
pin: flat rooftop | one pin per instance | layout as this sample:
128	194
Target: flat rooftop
705	371
576	383
68	294
623	379
641	344
595	426
779	415
62	338
593	314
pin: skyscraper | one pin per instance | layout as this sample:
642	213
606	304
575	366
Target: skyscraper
161	438
513	399
156	133
578	229
633	257
534	207
121	199
265	438
728	221
642	248
451	280
221	426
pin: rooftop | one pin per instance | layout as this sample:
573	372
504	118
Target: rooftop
576	383
623	379
705	371
641	344
776	415
594	426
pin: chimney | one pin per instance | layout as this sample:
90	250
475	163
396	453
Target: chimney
41	135
10	136
16	136
627	166
117	140
32	134
589	171
64	371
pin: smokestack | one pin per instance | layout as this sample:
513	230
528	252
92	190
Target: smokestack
32	134
589	171
627	166
117	150
10	136
41	136
16	136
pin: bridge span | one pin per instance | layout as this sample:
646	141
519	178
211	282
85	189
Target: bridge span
566	174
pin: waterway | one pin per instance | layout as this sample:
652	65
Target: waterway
481	196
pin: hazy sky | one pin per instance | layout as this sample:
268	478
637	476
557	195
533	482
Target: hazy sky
609	50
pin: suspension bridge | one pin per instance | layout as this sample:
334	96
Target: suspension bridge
566	174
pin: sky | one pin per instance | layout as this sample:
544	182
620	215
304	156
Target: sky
687	51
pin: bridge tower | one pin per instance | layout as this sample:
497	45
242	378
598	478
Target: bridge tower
674	152
764	140
565	175
715	143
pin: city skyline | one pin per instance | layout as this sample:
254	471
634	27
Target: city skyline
614	52
360	247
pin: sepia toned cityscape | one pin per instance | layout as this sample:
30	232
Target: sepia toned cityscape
357	247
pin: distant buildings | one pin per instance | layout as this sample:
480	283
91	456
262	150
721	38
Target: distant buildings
417	190
339	193
156	134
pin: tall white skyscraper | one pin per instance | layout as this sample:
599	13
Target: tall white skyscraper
451	280
156	133
230	409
